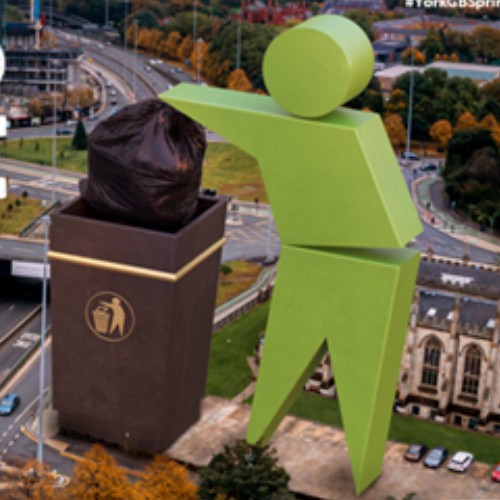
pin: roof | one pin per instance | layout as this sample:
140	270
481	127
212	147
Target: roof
397	71
472	71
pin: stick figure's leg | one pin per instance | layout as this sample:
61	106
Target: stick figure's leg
359	300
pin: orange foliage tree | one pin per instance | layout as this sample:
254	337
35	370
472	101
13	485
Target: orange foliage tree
466	121
185	48
165	479
98	478
418	57
170	46
491	123
238	81
441	132
398	101
395	129
200	50
35	482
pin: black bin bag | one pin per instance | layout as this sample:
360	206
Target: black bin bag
145	165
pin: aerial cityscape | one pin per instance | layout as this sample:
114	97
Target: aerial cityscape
249	250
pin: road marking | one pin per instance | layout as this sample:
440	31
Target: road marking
26	410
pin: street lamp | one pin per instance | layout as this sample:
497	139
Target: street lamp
46	222
55	63
199	41
238	50
136	22
410	104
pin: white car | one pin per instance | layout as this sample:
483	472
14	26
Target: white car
71	123
113	92
461	461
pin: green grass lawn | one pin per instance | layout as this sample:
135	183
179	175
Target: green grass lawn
229	374
244	274
26	150
227	169
11	222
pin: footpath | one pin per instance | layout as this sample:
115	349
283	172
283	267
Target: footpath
429	198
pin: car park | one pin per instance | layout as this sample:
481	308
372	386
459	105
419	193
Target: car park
461	461
415	452
64	131
436	457
9	403
410	156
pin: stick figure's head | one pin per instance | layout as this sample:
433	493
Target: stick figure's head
322	63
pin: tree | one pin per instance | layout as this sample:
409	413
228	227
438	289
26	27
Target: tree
98	478
163	480
238	81
466	121
441	132
146	19
34	482
244	472
185	48
490	122
398	102
171	45
486	43
225	270
432	44
35	106
80	139
418	57
362	19
395	129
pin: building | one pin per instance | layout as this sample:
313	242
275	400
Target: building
479	73
258	13
30	71
389	52
388	76
340	6
450	370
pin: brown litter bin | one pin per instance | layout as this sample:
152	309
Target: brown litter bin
132	313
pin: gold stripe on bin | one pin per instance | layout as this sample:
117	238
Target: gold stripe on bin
135	270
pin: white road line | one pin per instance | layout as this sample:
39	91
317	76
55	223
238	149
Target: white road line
26	410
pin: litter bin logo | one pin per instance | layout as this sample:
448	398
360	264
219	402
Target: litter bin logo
110	316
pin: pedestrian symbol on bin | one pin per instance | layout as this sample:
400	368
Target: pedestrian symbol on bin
110	316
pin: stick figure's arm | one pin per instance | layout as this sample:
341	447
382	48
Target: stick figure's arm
239	117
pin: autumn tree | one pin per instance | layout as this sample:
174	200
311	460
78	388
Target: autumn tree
418	57
466	121
200	51
441	132
97	477
398	102
35	106
486	43
238	81
491	123
185	48
164	479
171	45
244	472
34	482
395	129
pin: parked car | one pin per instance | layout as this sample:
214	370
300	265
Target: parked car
71	123
410	156
64	131
495	475
415	452
429	167
436	457
9	403
461	461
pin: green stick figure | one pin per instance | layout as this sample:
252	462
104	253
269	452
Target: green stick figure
344	214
